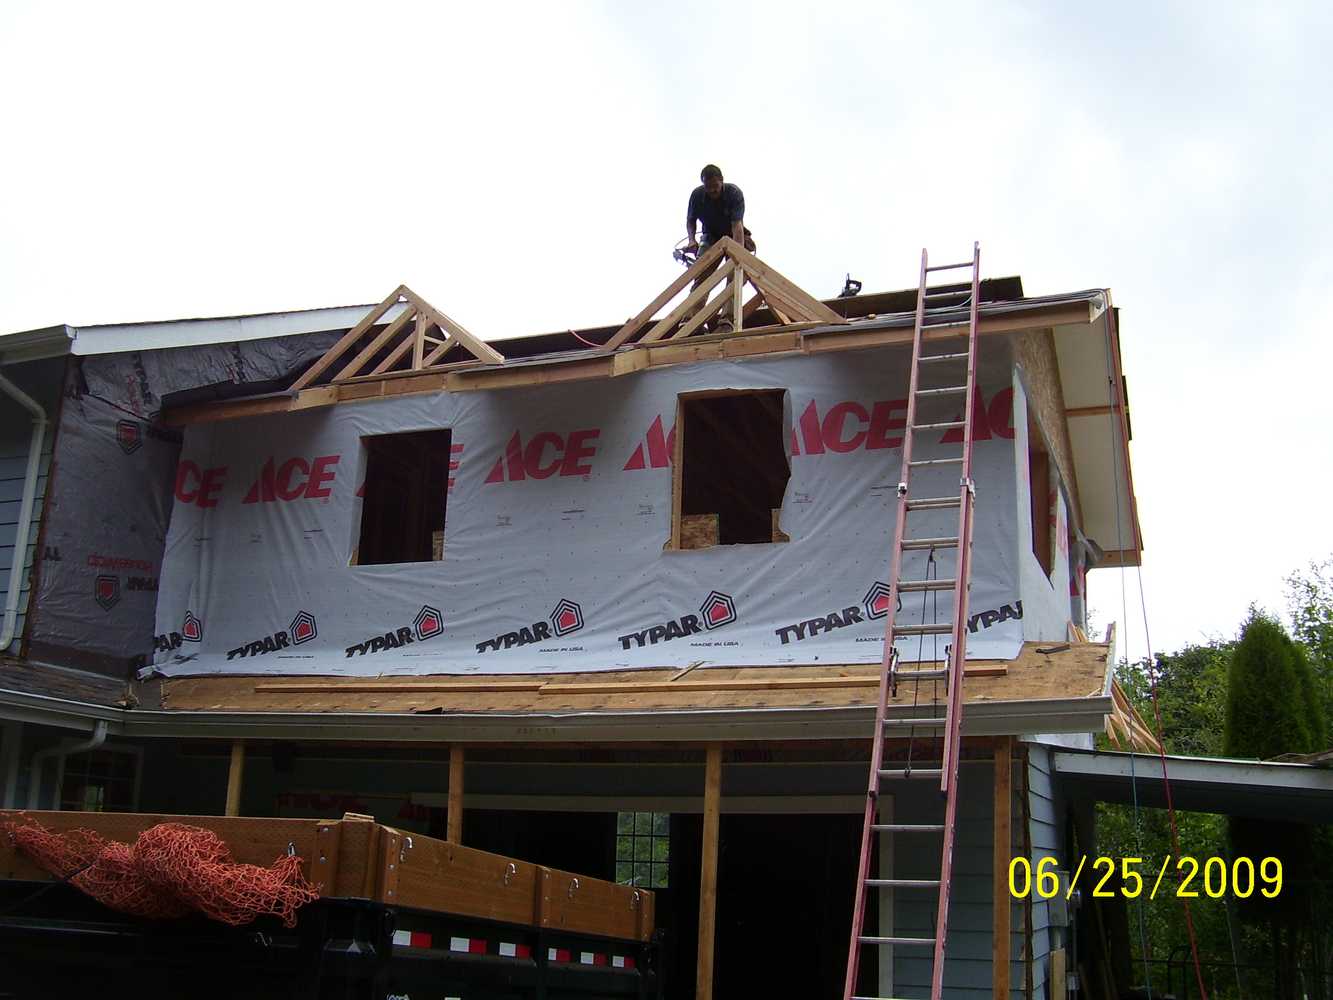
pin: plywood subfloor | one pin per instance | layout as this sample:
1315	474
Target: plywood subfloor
1076	672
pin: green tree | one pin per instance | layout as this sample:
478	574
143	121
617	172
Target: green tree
1310	604
1272	709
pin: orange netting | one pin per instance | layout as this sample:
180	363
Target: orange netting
170	870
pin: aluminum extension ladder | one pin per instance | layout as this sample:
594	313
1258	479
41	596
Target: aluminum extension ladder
937	328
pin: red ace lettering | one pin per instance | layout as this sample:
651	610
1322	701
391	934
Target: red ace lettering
199	486
544	455
294	479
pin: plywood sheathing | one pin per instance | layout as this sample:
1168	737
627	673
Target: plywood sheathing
1077	672
1034	351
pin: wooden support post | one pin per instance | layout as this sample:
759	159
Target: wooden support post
234	776
703	989
1001	904
736	286
454	817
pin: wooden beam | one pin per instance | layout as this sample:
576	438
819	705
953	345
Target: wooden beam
387	334
404	684
347	340
737	319
441	349
677	474
694	300
710	310
703	989
454	814
637	323
1001	904
235	774
767	276
419	341
1091	411
479	348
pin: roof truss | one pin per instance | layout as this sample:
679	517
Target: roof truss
418	339
719	277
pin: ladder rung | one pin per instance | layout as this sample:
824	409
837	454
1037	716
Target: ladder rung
900	630
962	332
941	390
922	462
933	503
923	723
908	827
946	425
921	675
910	772
904	883
941	357
965	292
918	942
949	267
950	542
877	998
911	586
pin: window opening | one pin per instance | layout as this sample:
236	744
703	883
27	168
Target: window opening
100	781
643	849
732	469
404	497
1042	493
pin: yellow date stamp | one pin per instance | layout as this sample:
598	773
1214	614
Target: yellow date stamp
1214	878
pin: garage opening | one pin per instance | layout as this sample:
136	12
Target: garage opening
733	469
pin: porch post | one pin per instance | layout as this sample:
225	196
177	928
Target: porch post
708	873
454	818
234	776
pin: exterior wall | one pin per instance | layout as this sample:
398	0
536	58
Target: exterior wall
968	956
529	534
1047	841
42	381
1046	601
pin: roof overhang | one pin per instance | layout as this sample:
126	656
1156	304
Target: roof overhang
1258	789
35	345
1053	715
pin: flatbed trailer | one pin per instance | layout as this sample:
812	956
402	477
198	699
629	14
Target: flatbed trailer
399	915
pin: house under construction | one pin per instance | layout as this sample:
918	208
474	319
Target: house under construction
651	602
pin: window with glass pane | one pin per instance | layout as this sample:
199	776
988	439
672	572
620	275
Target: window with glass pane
100	781
643	849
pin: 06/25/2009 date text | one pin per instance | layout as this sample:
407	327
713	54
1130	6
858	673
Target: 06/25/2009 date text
1187	877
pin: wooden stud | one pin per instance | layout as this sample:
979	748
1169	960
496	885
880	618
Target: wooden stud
708	873
347	340
637	323
712	309
235	774
677	474
437	355
419	342
737	285
1001	904
454	815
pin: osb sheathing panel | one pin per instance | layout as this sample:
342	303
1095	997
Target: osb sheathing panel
1035	352
1079	671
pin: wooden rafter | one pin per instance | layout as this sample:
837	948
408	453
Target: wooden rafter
420	334
728	264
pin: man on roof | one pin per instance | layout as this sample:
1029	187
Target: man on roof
721	209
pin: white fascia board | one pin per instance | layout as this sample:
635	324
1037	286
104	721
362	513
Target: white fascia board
1074	715
118	338
1202	771
35	345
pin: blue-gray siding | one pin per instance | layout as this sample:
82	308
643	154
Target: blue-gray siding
41	381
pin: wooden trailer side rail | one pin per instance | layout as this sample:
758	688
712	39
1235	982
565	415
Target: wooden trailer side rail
358	858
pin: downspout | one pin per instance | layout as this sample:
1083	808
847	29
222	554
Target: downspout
24	526
40	758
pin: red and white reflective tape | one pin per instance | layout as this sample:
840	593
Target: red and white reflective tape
510	950
411	939
589	958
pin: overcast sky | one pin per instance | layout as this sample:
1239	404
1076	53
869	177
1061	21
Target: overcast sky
525	167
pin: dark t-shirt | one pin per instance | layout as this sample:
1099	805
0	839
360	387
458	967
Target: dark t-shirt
716	214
